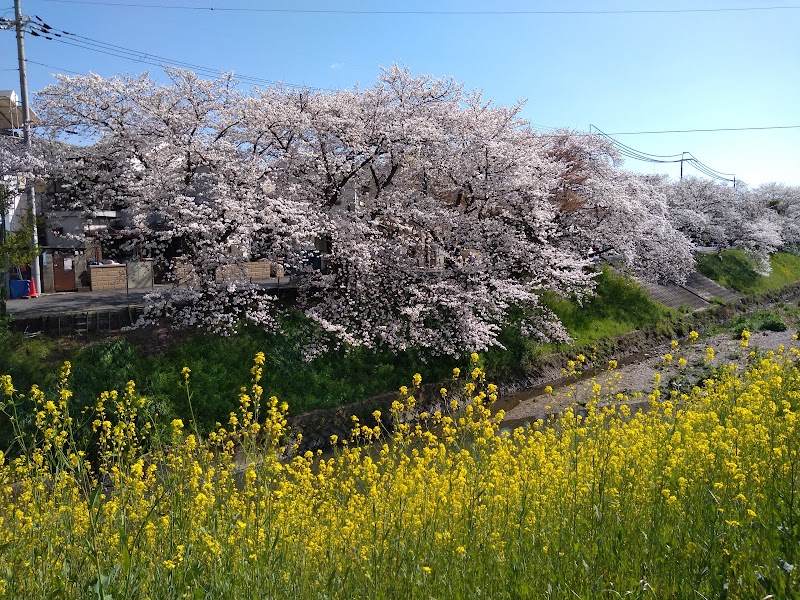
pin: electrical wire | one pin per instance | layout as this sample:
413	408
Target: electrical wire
428	12
41	64
42	29
708	171
72	39
692	160
629	152
706	130
86	43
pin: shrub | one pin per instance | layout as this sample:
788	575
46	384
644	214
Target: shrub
765	320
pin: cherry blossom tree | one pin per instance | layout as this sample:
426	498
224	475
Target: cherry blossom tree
784	201
716	214
172	159
426	207
411	213
432	207
607	211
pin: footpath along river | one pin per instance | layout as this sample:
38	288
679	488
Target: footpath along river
639	374
634	374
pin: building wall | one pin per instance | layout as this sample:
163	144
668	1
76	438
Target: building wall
17	204
64	229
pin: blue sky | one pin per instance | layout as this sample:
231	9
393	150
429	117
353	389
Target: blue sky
621	72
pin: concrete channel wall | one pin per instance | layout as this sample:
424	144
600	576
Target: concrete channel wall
56	325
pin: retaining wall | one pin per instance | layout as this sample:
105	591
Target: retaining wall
108	277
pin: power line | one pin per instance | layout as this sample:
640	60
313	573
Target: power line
706	167
706	130
637	154
86	43
42	29
710	172
428	12
68	38
545	127
41	64
629	152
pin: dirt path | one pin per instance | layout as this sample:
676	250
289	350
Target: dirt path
639	376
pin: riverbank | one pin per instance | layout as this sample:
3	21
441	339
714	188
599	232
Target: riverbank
639	377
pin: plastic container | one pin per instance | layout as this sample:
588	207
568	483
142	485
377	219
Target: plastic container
19	288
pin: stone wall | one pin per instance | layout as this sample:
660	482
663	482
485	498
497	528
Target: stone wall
259	270
185	275
252	271
108	277
234	272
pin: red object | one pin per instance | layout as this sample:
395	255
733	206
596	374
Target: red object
34	292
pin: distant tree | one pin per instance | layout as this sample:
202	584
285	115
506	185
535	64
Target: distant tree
607	211
784	202
716	214
172	159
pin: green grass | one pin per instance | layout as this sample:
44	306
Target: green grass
733	269
618	306
219	364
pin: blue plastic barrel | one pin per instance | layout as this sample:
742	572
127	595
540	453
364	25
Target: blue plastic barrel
18	288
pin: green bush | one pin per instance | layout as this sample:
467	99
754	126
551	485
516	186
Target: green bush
765	320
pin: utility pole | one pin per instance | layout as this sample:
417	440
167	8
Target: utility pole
3	266
26	137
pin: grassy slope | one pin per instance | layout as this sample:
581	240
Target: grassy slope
219	366
618	306
733	269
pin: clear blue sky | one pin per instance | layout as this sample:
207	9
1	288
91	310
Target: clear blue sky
619	72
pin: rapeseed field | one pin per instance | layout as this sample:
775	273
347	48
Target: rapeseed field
696	496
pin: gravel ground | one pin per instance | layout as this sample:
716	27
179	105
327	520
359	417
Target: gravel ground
638	376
